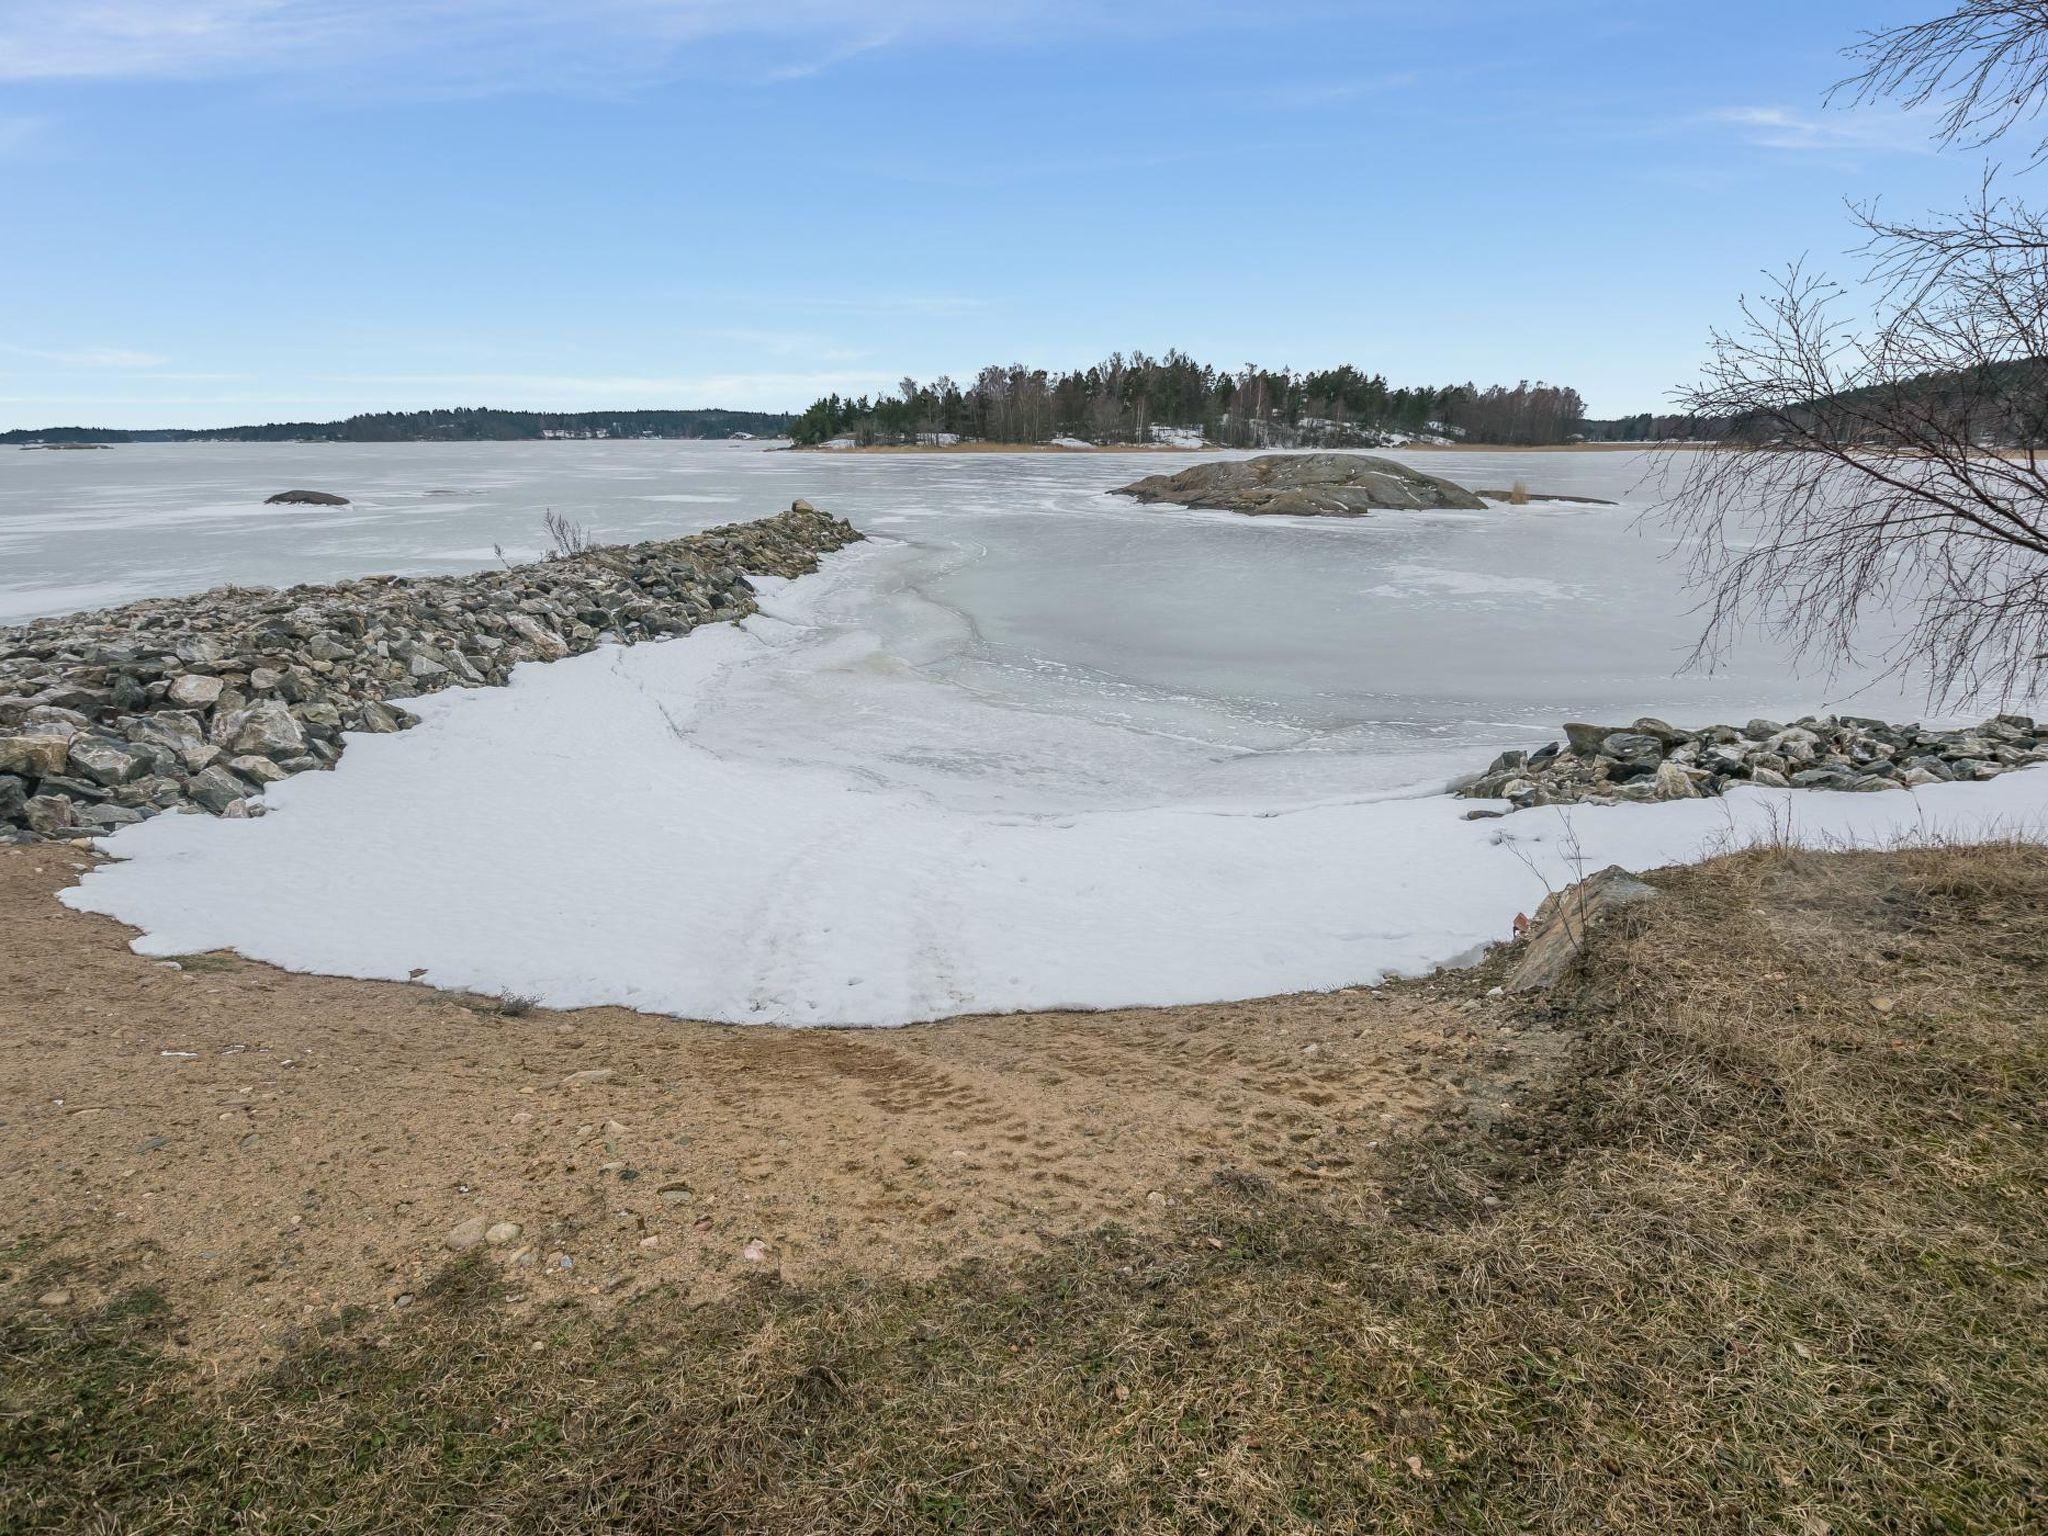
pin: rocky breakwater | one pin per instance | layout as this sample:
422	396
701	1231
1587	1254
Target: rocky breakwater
1304	485
1650	760
196	703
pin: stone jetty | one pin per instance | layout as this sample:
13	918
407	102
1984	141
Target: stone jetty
198	703
1651	760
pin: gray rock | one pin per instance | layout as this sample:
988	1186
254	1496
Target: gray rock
1822	778
258	770
34	757
1566	919
13	797
267	728
1303	485
1584	740
1632	747
377	719
305	499
106	761
216	789
194	690
1674	783
49	814
106	818
546	643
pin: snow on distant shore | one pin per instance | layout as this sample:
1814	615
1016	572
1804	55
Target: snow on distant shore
569	838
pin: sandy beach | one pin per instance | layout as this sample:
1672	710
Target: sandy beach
272	1149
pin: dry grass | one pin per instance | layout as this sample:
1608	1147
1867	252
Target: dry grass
1763	1253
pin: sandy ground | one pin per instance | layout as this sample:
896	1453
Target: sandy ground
270	1148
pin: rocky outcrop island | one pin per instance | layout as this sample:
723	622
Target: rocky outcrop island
1304	485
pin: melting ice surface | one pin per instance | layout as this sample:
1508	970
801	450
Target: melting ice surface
1028	747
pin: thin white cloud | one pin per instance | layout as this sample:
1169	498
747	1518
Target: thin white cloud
852	48
88	357
1796	132
480	44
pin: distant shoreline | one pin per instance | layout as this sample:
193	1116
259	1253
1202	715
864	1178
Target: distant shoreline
1418	447
937	448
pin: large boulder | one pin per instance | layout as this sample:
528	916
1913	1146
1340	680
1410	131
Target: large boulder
1561	924
305	499
1304	485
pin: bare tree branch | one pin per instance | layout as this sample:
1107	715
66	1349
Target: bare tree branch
1869	478
1985	63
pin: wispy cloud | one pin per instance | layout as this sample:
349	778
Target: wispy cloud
1796	132
851	48
87	357
474	44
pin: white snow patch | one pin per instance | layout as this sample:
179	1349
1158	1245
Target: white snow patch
571	838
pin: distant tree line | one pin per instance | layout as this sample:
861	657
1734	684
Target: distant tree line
1645	427
461	425
1132	399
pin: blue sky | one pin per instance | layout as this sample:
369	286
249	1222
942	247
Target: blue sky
214	211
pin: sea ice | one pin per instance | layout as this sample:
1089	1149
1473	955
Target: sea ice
595	833
1031	746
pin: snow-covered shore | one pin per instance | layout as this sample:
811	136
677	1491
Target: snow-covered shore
581	837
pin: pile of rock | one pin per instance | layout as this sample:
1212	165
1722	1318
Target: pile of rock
197	703
1650	760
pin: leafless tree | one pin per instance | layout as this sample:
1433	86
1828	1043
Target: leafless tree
566	538
1881	469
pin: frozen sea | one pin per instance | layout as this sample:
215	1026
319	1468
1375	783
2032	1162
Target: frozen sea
1030	746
